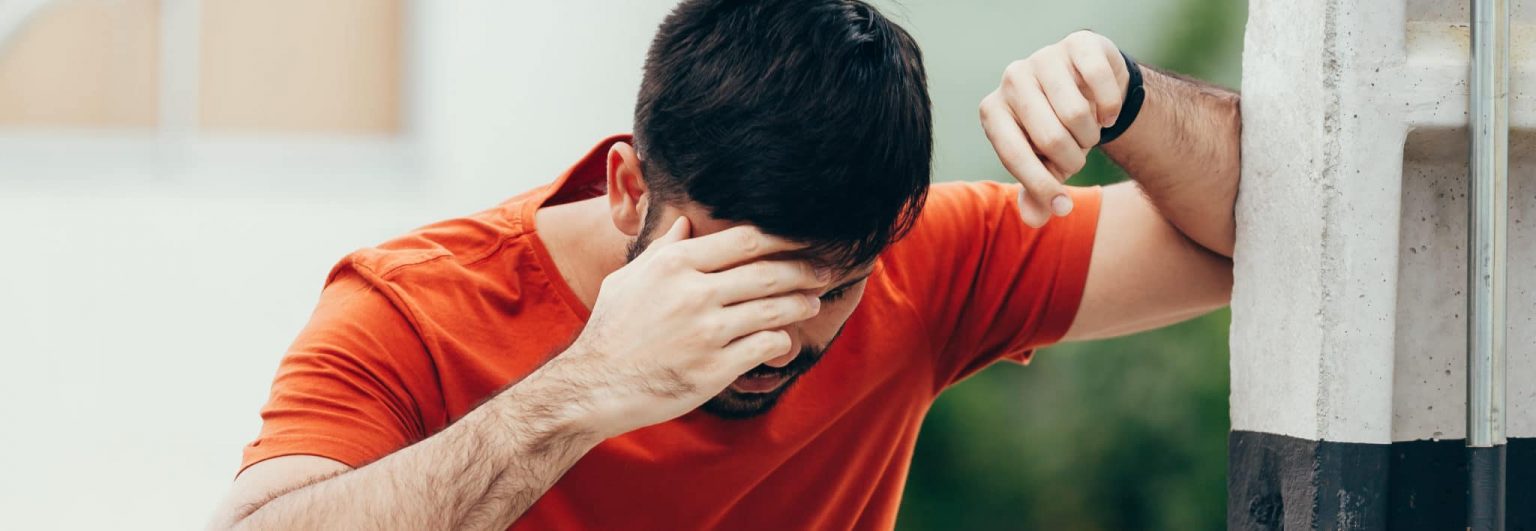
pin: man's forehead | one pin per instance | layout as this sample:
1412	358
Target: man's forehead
840	275
704	225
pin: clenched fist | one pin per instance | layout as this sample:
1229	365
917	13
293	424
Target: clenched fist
1048	113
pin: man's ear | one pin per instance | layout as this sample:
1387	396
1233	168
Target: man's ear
627	194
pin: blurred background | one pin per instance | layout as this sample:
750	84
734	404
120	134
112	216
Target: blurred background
177	176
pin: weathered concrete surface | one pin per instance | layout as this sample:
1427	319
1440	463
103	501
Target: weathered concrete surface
1316	269
1349	310
1430	376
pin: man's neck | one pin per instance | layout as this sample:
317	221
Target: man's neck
583	242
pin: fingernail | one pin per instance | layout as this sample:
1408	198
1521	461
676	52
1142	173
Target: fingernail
1061	205
1110	122
815	303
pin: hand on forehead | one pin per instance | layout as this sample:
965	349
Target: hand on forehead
740	243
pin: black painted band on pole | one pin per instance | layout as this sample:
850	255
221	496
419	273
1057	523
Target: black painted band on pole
1485	487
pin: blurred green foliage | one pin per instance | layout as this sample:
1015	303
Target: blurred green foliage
1128	433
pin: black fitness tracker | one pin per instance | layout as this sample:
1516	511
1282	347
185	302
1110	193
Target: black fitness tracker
1135	94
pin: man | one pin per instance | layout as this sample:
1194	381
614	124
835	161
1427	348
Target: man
738	317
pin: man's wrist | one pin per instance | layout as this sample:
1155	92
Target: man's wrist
1146	129
1130	109
546	411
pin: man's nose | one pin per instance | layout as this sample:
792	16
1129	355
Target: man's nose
794	350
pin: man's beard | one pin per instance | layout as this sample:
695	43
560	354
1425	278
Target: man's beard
638	245
730	404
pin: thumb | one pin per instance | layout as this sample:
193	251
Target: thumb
680	231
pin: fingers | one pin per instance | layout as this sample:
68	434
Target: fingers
1013	148
1049	112
679	231
755	349
765	314
1034	212
1103	73
761	279
733	246
1045	130
1058	79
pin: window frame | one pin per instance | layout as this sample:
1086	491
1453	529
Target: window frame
177	151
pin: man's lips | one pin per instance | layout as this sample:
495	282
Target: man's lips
758	384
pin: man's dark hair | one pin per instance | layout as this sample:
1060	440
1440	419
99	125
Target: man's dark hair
807	118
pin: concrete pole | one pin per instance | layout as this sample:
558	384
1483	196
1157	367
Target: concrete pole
1350	305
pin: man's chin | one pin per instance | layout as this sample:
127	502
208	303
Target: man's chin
756	392
748	397
756	385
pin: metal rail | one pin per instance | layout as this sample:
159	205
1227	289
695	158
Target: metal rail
1488	219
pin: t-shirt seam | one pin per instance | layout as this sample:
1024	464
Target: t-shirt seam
390	272
491	250
355	459
426	337
501	244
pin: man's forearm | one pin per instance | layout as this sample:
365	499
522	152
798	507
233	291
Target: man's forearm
1183	150
481	472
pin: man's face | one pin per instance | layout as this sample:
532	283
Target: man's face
757	391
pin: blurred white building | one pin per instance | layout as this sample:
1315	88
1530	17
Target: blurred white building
177	176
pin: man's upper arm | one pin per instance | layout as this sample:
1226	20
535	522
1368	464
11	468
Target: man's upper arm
344	395
355	385
269	479
990	286
1144	273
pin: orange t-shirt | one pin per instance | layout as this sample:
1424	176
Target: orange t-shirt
412	334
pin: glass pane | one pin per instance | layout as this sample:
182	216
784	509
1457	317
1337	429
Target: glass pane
83	63
301	65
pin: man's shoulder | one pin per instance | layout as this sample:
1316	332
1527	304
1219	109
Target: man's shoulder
959	198
952	211
964	211
456	279
446	253
963	224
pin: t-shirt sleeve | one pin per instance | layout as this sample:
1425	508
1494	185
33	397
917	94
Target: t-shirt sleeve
991	286
352	386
